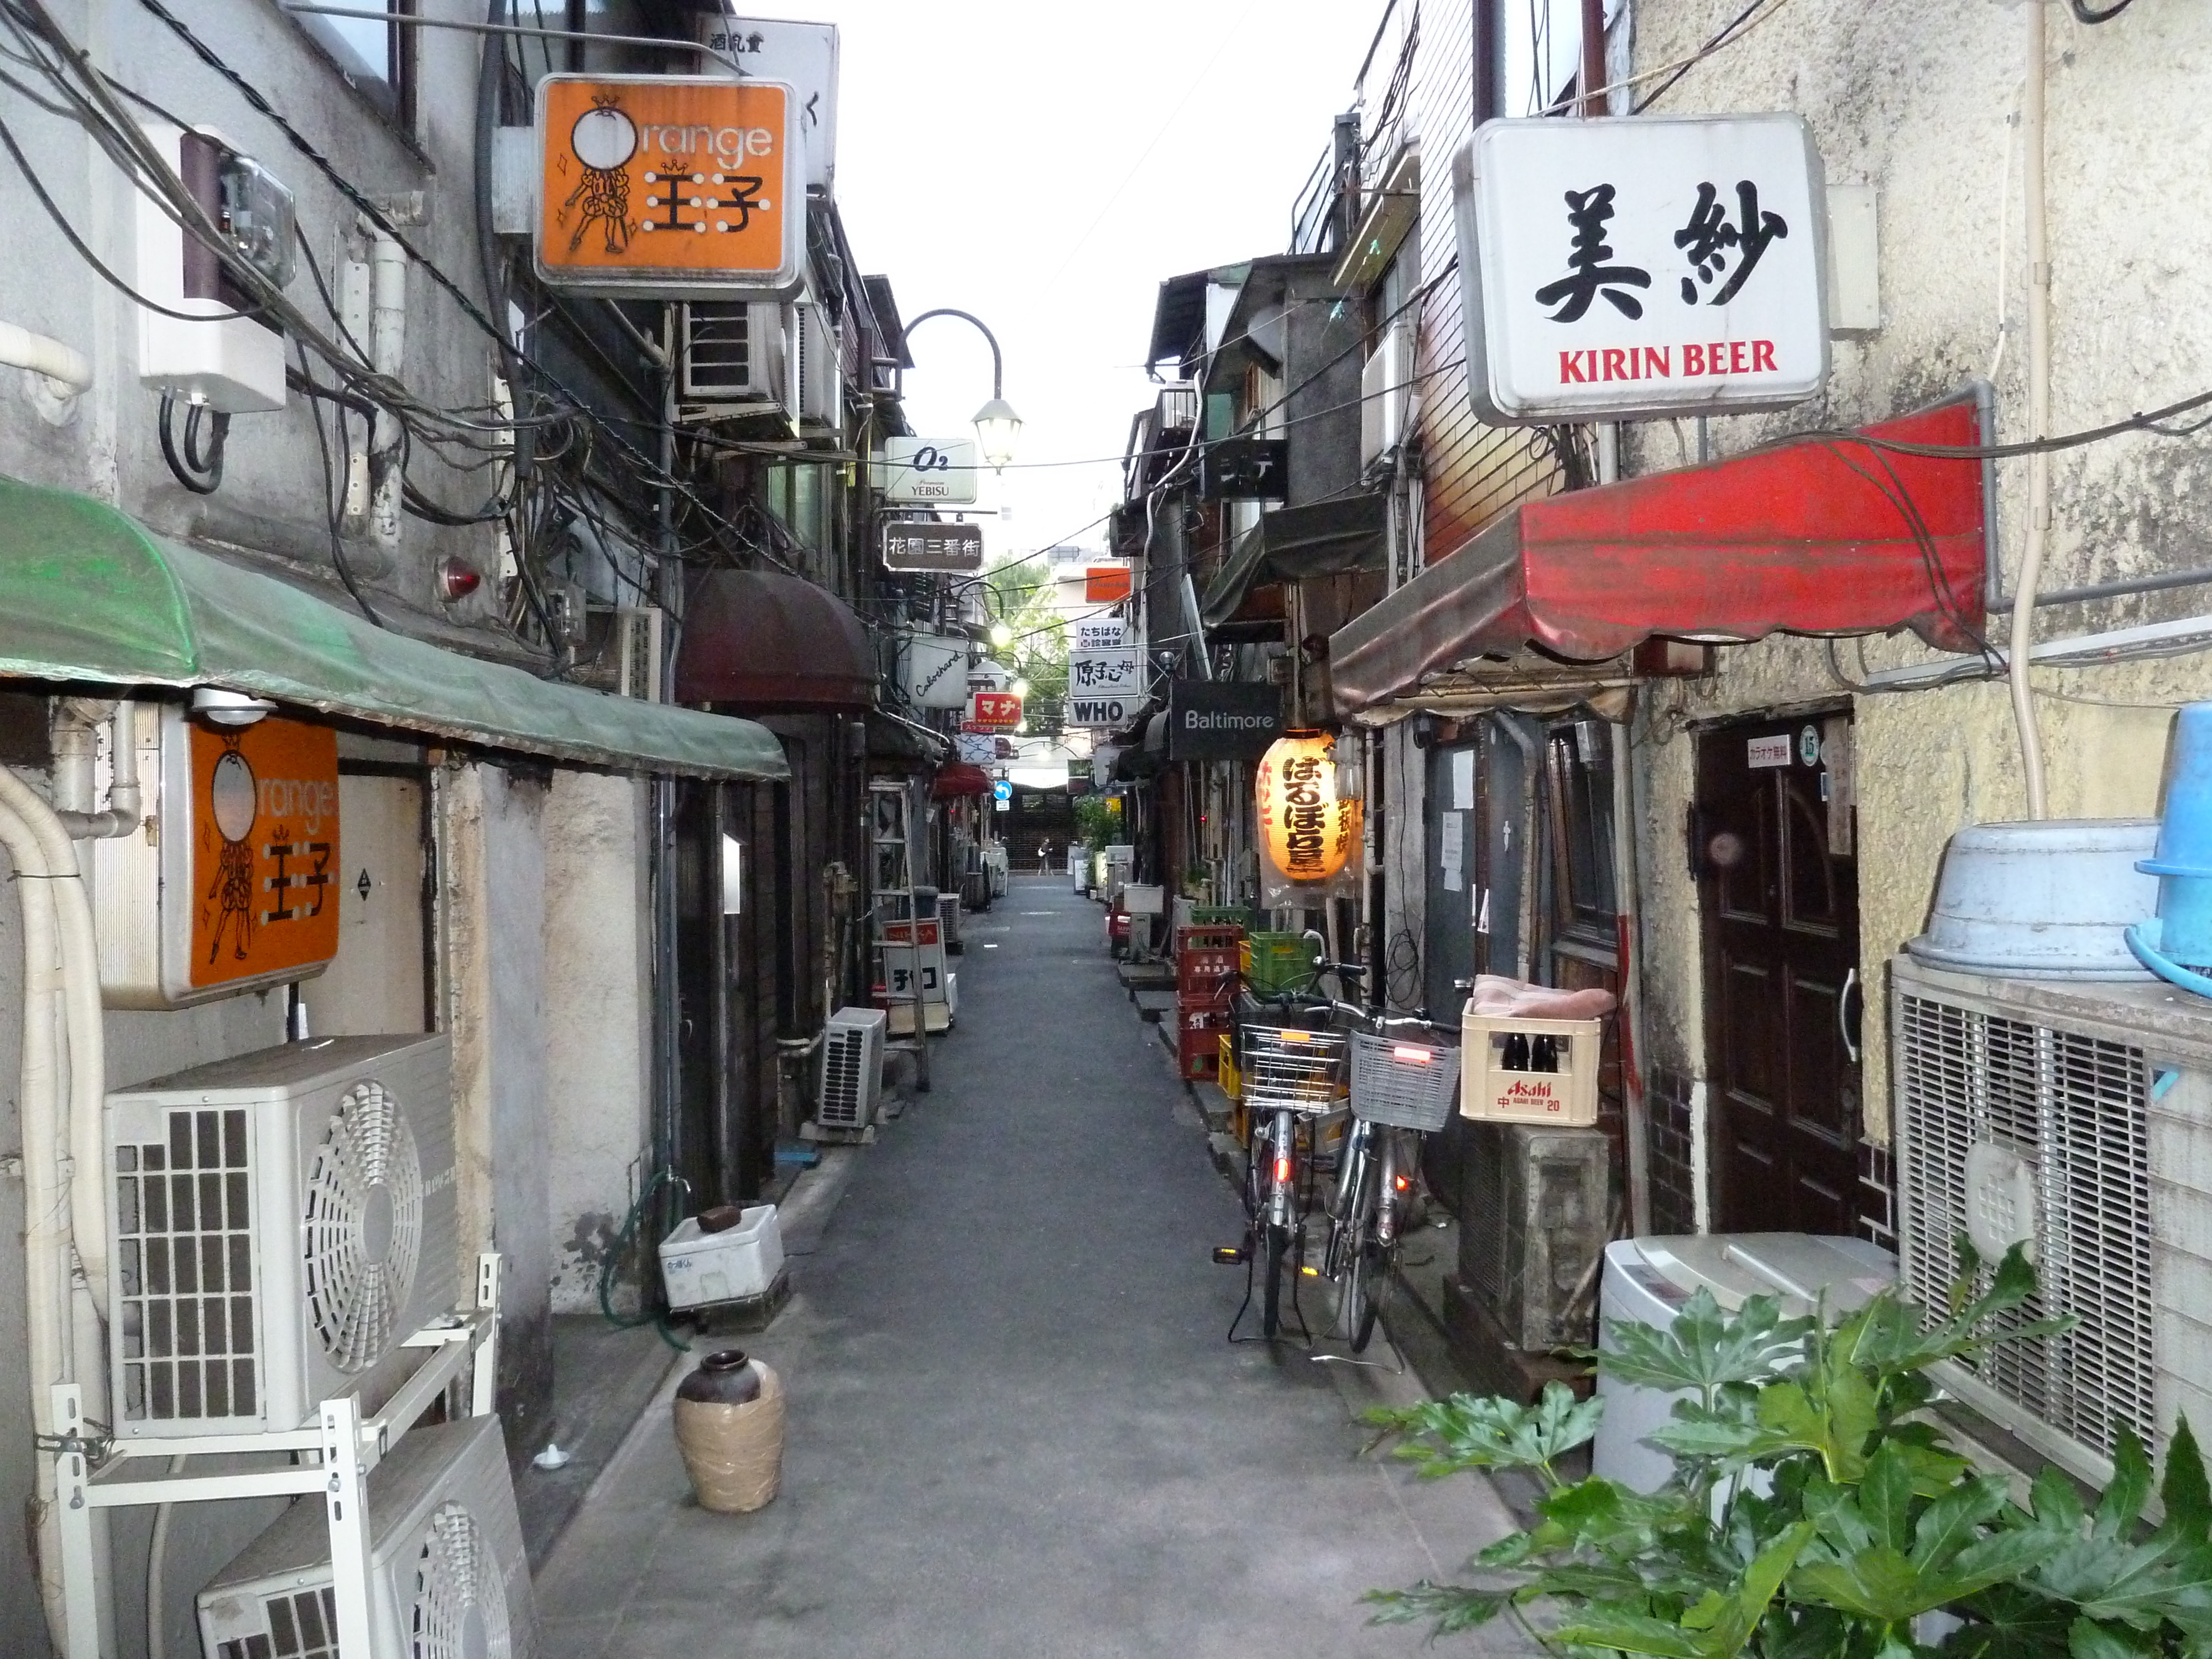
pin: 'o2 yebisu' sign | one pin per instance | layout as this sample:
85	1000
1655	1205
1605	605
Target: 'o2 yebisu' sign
1641	266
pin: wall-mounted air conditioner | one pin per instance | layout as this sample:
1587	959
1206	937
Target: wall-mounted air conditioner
820	375
2068	1115
447	1575
624	646
1534	1227
1386	388
738	352
852	1069
282	1221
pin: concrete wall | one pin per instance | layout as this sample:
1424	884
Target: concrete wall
493	829
1919	101
599	1020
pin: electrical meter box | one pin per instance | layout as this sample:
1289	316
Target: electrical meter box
212	354
231	883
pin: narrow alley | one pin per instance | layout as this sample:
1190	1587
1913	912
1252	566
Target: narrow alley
1015	1426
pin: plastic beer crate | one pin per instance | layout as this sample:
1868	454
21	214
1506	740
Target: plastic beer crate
1491	1092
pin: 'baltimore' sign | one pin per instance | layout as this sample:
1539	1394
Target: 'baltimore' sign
1222	719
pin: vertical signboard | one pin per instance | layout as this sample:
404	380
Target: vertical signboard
804	57
1647	265
264	859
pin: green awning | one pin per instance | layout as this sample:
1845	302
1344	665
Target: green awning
89	594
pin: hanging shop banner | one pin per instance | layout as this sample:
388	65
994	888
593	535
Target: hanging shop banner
1308	829
1104	688
1104	711
927	471
1646	266
1106	583
993	711
933	669
976	748
804	57
1222	719
668	186
1100	634
925	544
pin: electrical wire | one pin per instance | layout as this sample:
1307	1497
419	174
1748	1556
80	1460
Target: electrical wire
330	510
197	469
2084	14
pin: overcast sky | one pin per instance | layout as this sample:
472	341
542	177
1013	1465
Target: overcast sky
1044	164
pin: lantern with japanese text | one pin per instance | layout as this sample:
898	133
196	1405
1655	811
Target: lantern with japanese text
1310	832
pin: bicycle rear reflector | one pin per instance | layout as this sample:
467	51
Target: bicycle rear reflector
1229	1255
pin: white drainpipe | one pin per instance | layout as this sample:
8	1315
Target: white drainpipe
388	347
68	368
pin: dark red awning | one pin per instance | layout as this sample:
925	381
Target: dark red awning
762	640
960	777
1811	536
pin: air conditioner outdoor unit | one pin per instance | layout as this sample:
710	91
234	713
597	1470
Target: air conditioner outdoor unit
1386	388
821	379
737	351
282	1221
852	1069
1534	1229
447	1575
2068	1115
625	644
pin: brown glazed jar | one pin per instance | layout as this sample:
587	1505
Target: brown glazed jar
726	1377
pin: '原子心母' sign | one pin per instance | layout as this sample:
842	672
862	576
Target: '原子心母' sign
1641	266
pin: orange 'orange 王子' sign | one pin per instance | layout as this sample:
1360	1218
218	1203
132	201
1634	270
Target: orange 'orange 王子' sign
265	849
667	184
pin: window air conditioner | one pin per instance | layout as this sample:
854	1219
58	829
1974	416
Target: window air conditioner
852	1069
821	378
447	1575
2064	1115
736	351
1533	1229
282	1221
1386	388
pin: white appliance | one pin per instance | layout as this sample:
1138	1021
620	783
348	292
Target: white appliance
1386	386
852	1069
821	379
282	1222
699	1268
2070	1116
447	1576
739	351
233	364
1647	1281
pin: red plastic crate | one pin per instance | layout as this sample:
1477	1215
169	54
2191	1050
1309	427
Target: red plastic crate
1208	939
1199	1055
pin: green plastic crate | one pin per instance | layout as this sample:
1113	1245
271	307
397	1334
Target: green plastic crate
1222	915
1274	963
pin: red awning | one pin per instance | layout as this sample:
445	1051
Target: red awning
1811	536
762	640
959	778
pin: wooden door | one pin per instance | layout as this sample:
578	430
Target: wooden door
1780	905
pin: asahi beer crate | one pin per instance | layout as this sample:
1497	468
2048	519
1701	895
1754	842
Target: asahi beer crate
1529	1071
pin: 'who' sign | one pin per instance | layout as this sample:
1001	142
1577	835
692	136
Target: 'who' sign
1641	266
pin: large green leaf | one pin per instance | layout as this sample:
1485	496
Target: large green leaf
1704	1348
2185	1493
2087	1639
2008	1622
1469	1432
1627	1631
1885	1497
1448	1607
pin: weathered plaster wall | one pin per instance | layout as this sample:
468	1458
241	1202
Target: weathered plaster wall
598	1017
1919	101
495	894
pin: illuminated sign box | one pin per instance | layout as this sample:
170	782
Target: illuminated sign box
924	545
669	187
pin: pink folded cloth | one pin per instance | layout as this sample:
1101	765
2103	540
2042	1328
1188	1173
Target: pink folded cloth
1496	995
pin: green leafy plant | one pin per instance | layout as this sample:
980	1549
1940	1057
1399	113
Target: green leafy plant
1815	1512
1098	821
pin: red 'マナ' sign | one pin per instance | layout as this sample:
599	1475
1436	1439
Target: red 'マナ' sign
993	711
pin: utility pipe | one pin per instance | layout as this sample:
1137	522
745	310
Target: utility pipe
2020	649
388	350
69	369
46	1190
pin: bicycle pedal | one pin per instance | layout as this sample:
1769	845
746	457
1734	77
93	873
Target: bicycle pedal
1230	1256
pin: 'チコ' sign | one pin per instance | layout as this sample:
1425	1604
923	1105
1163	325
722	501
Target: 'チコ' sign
666	186
1309	833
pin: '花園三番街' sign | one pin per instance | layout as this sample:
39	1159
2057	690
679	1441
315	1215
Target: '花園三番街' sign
1310	830
668	186
1650	265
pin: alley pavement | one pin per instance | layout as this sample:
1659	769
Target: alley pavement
1016	1429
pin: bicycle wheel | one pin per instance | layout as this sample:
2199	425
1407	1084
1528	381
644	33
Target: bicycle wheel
1271	1307
1365	1280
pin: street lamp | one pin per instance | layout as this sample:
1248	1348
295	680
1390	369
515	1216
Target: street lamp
1021	687
997	426
1001	636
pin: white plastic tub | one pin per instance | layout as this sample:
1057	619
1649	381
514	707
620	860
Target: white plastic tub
2050	900
731	1266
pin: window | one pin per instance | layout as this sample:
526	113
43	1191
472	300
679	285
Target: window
1536	48
376	57
1579	762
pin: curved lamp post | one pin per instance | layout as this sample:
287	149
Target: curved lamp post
997	426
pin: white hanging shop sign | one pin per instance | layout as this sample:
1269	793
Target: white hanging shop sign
1643	266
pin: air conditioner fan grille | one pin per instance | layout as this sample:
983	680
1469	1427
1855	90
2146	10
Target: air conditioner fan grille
363	1227
459	1603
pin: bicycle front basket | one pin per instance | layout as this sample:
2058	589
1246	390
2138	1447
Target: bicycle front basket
1407	1085
1289	1069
